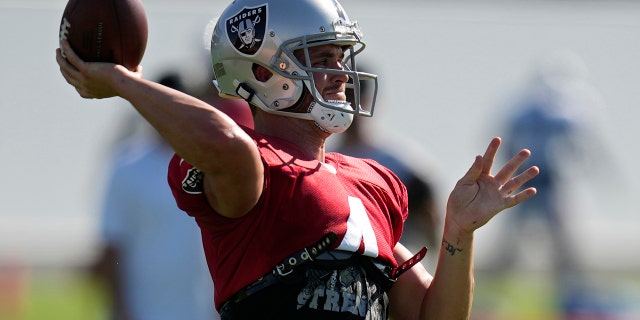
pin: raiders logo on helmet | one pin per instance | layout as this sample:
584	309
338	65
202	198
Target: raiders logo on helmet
246	29
192	183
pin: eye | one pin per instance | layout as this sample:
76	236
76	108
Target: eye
321	63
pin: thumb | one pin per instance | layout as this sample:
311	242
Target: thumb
473	173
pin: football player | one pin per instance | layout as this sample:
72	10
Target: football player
291	231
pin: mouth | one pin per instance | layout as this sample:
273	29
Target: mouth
334	96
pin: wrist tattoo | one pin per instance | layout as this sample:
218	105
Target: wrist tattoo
451	249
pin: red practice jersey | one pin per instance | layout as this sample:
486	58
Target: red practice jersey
361	201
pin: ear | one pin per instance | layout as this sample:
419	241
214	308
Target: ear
261	73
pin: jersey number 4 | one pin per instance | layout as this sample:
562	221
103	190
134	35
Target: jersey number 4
359	230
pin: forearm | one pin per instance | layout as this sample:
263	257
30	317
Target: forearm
195	130
451	292
477	197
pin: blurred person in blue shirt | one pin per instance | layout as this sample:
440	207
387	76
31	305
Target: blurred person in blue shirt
556	118
553	119
153	261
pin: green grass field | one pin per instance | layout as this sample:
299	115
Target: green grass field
58	295
539	296
71	295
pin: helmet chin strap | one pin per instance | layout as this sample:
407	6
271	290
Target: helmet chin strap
329	120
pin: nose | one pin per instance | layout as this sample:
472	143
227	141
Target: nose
339	77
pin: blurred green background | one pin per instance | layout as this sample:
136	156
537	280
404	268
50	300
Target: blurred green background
72	295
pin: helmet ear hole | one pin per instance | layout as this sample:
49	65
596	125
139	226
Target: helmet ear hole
261	73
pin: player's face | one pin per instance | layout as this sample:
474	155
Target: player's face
331	86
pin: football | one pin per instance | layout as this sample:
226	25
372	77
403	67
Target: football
106	30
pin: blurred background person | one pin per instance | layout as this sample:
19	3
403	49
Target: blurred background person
14	289
554	117
362	140
153	263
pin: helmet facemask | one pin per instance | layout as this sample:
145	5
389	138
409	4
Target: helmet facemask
332	116
287	65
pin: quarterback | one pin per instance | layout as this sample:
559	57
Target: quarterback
291	231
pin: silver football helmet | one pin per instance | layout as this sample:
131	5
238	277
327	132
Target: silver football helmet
267	33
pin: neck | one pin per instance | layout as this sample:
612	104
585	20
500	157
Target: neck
303	133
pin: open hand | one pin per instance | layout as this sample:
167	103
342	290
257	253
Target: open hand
479	196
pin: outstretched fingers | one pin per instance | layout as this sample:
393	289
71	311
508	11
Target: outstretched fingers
520	197
482	164
518	181
490	155
512	166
